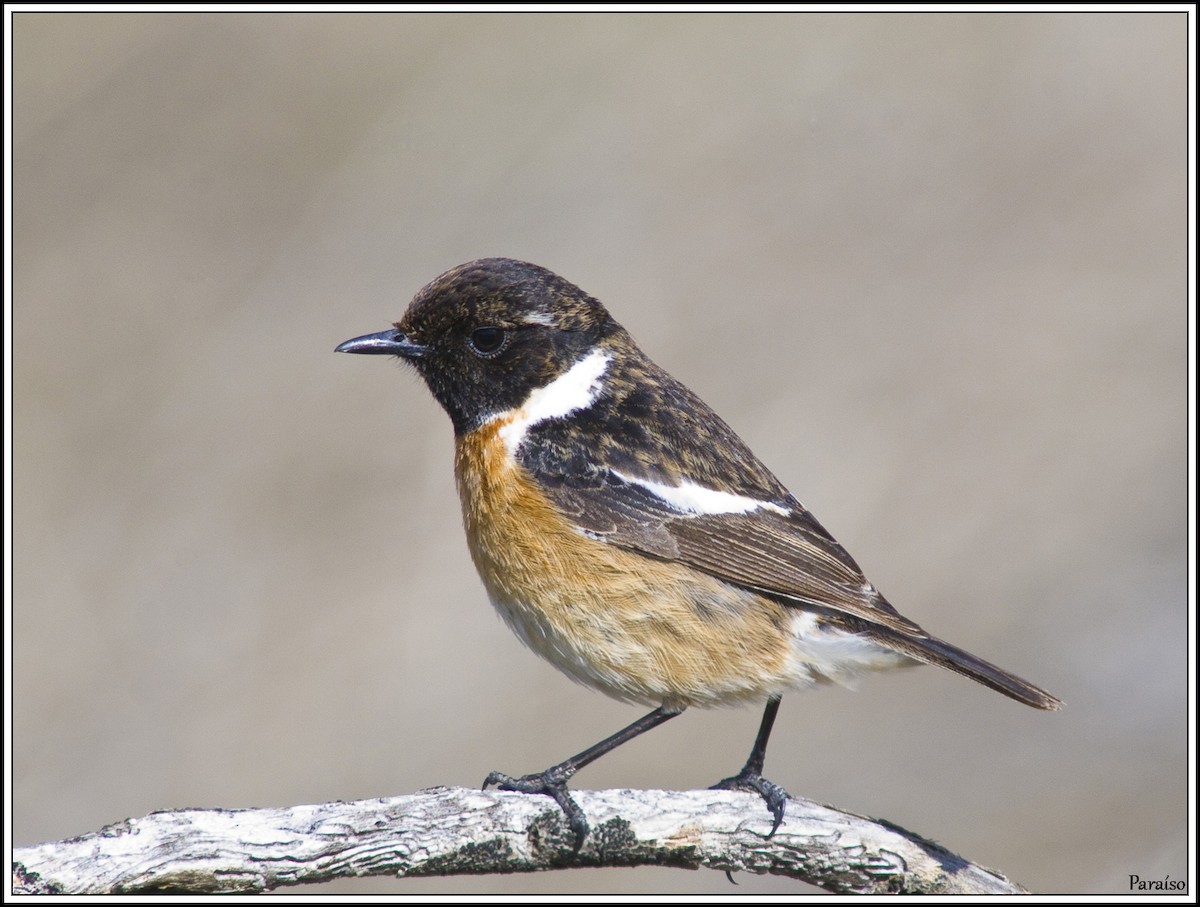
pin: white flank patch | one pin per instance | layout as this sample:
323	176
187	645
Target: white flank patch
689	497
836	654
574	389
804	625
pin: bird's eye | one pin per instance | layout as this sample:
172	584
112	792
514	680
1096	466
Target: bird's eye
488	341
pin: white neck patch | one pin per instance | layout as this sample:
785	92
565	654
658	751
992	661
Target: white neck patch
575	389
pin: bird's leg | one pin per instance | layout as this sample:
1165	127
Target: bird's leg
750	777
553	781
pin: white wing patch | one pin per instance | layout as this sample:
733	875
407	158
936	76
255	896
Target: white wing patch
688	497
575	389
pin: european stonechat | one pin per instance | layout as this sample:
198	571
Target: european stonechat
626	533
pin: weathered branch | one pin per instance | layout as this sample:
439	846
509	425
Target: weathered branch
450	831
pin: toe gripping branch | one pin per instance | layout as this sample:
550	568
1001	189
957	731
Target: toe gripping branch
774	795
553	783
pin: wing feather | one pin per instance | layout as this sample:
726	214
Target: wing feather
787	555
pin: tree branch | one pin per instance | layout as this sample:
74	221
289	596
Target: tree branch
451	831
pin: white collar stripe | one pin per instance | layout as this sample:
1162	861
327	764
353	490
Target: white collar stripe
575	389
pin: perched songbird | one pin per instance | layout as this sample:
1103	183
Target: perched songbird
625	533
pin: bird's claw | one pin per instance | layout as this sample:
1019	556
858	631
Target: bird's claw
775	796
553	785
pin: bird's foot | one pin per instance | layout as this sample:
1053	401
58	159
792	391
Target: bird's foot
553	783
775	796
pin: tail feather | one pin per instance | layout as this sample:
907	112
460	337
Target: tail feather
934	651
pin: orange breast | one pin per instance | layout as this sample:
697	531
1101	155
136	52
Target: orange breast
640	629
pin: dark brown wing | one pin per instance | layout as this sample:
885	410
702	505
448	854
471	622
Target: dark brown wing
788	556
776	548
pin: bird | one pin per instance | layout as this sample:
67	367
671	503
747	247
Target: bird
627	534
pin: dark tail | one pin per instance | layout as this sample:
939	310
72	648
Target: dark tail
934	651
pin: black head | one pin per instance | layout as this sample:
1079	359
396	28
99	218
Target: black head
485	334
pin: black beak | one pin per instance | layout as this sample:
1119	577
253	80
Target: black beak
385	343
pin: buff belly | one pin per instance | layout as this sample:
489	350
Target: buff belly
639	629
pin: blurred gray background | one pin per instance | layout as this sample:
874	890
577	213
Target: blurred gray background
931	267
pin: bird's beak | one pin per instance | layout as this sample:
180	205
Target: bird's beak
385	343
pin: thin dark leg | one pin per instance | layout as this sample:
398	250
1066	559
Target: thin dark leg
750	777
758	755
553	781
